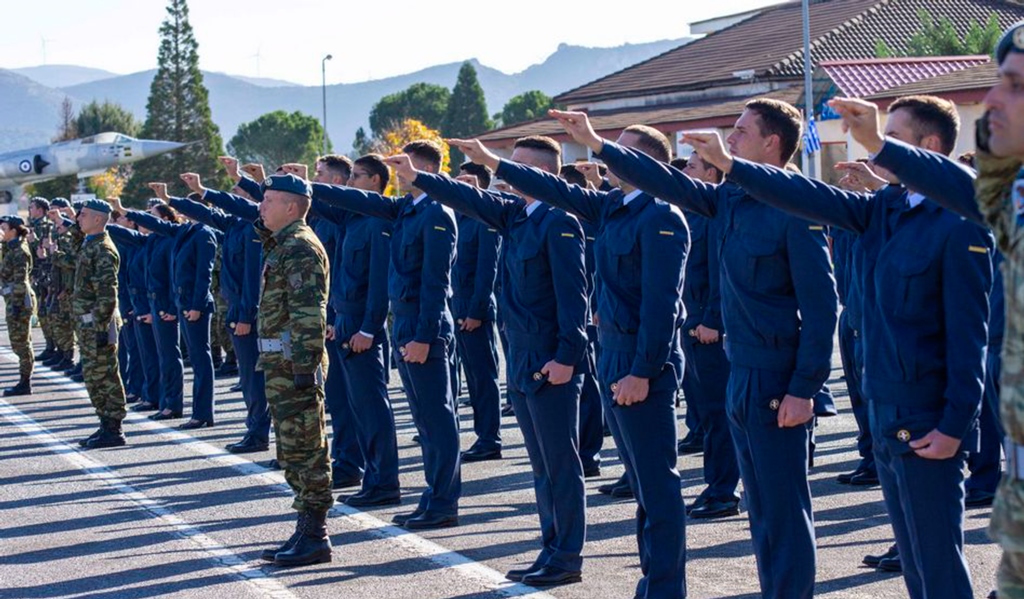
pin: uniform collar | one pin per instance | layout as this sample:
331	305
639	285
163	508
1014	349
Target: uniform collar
290	229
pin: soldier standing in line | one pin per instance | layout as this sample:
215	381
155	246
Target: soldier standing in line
38	232
20	300
292	326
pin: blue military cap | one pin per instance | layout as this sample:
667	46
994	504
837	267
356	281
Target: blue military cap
289	183
1012	41
60	203
41	202
13	220
98	206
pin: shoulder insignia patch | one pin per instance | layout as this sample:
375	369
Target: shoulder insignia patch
492	230
385	234
977	249
569	235
669	233
816	228
295	280
439	228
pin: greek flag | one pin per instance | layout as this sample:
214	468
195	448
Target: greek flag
812	143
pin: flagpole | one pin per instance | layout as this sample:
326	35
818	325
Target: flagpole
810	168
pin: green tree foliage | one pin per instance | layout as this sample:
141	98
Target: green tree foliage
178	110
96	117
362	143
424	102
525	107
940	38
278	138
467	109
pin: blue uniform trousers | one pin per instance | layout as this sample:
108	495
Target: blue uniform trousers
851	355
197	338
773	466
705	382
985	465
548	416
428	387
150	362
478	353
254	392
925	500
645	435
168	347
129	360
591	411
347	460
372	415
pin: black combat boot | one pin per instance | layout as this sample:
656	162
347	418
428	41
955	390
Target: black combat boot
75	369
313	545
85	442
110	437
270	555
55	359
24	387
47	353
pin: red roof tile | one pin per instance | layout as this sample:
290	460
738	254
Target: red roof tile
980	77
862	78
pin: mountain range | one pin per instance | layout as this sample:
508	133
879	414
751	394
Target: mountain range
30	98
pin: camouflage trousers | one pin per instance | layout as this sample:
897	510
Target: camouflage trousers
19	331
102	375
42	315
63	325
220	338
300	427
1007	528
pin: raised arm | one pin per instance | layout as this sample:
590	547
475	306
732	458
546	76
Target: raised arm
940	179
154	224
126	236
488	241
815	287
660	180
233	204
584	203
484	206
329	212
202	213
251	187
357	200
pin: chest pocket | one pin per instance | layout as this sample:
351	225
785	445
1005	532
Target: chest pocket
357	254
623	259
525	265
762	261
915	288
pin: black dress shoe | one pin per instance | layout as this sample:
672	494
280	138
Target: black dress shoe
715	509
507	410
620	491
165	416
844	478
517	575
271	464
401	519
690	446
131	398
550	576
227	369
248	445
591	472
891	564
873	560
346	481
701	500
428	522
979	498
373	498
476	455
194	424
145	406
236	387
867	478
78	378
993	595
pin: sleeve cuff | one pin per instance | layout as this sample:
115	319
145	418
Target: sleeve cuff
568	356
646	371
365	334
955	423
804	388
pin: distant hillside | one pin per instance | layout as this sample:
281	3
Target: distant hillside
235	100
63	75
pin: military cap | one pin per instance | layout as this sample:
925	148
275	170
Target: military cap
98	206
60	203
153	202
13	220
289	183
1012	41
41	201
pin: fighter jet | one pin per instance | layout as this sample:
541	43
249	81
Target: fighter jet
84	157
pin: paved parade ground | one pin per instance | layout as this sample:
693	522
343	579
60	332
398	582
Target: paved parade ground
174	515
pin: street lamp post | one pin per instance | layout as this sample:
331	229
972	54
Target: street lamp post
810	166
323	87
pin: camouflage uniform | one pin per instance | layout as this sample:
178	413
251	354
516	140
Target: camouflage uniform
292	324
63	262
94	305
219	337
21	302
40	276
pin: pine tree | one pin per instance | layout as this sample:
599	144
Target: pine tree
467	109
178	110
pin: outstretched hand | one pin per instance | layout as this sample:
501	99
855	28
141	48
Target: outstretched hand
231	166
858	176
475	150
159	190
404	168
193	182
255	172
860	120
294	168
578	126
710	148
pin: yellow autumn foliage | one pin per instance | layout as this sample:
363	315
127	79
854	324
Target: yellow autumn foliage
109	184
392	141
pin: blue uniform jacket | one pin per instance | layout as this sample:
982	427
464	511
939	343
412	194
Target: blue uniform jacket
926	277
640	254
423	243
544	285
702	295
359	271
127	251
158	267
779	305
193	252
475	269
240	259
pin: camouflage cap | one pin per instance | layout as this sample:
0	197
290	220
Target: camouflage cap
1012	41
287	183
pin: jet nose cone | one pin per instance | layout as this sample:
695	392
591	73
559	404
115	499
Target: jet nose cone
152	148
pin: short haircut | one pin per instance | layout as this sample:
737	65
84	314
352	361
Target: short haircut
781	119
427	150
932	116
337	164
481	172
41	203
374	164
680	163
651	141
116	214
572	175
545	145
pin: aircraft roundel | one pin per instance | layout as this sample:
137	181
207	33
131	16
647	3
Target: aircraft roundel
25	166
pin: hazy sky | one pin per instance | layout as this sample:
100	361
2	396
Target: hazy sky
369	39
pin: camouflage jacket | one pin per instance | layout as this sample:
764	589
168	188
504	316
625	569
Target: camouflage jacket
14	273
293	299
95	289
41	229
65	258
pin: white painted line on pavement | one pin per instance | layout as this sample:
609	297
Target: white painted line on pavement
254	576
466	567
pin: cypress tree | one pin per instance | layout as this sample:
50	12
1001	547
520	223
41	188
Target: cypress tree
467	110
